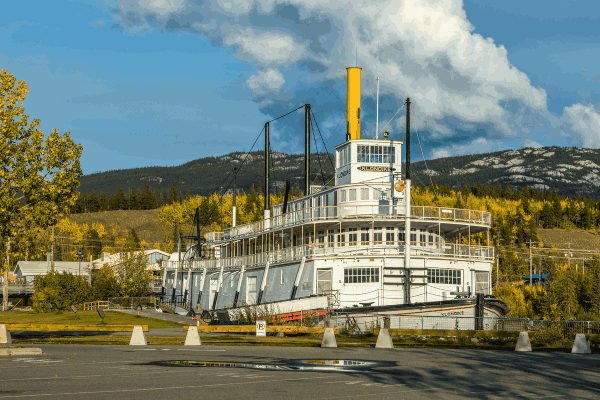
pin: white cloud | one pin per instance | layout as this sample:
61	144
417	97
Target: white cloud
479	145
268	81
582	123
530	143
425	49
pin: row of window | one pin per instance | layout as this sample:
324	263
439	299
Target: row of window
375	154
368	154
444	276
344	195
363	194
361	275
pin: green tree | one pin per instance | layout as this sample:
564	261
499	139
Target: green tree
148	200
118	201
132	275
160	200
93	204
103	202
593	286
94	243
133	241
104	284
66	288
38	176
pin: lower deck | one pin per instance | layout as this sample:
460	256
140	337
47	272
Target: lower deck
334	282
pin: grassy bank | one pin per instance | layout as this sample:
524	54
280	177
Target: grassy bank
88	318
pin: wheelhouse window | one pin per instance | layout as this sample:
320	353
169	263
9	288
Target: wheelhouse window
364	193
361	275
352	194
376	154
444	276
344	157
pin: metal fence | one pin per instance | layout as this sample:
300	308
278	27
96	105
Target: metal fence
131	302
360	323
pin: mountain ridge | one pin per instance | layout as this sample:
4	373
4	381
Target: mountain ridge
565	170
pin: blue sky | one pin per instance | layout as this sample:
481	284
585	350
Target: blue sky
163	82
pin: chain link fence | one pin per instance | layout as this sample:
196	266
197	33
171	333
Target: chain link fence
131	303
362	323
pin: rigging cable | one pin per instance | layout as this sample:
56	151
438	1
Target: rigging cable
327	151
427	168
393	117
229	174
318	155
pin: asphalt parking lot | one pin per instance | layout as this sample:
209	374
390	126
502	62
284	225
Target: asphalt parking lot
232	372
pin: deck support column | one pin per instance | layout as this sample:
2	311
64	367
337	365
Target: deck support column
263	283
189	282
298	277
219	286
199	301
239	286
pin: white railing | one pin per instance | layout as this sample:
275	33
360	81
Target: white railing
446	250
371	212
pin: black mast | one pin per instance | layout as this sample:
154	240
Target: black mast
307	149
407	138
267	145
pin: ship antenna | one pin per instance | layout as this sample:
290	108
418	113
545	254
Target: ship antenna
408	210
377	113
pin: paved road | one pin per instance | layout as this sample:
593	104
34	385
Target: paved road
124	372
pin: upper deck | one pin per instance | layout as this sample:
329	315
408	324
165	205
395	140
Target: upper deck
447	219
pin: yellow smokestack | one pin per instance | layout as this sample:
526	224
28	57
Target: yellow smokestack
353	105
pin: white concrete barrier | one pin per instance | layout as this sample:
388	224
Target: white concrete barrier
193	337
329	338
523	343
4	335
137	337
384	340
581	345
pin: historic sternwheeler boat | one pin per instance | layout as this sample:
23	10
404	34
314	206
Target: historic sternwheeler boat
357	246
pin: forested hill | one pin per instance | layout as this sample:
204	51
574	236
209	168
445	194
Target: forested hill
204	176
567	171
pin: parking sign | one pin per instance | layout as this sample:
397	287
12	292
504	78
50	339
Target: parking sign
261	328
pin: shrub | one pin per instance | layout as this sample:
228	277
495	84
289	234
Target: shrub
66	288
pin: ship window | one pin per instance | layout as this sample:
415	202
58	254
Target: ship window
378	237
364	236
364	193
444	276
361	275
376	154
342	196
251	286
389	237
422	238
401	236
344	157
352	194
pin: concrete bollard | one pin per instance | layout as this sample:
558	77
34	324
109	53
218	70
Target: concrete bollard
137	337
5	335
192	338
523	343
329	338
581	345
384	340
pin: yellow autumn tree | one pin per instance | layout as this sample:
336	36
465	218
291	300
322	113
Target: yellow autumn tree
38	175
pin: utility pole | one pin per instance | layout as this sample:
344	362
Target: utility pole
530	263
569	254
